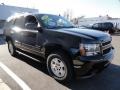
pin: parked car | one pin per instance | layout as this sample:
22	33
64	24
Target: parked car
105	26
67	51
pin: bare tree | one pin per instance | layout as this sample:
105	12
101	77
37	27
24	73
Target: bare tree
68	14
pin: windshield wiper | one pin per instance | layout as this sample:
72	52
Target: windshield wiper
58	27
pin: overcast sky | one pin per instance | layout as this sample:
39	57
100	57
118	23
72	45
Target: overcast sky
88	8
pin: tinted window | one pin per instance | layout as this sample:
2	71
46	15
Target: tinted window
96	25
30	23
54	21
19	22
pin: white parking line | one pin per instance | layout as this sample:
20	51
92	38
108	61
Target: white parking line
20	82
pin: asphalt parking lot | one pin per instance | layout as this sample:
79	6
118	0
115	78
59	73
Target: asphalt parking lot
35	75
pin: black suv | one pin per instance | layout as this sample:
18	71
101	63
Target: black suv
67	51
105	26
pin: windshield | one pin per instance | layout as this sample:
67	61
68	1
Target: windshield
53	21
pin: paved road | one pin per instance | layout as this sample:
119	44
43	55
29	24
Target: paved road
35	75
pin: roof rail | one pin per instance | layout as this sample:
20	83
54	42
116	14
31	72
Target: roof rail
17	15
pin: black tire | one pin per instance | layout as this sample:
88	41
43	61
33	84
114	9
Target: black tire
11	48
67	67
111	31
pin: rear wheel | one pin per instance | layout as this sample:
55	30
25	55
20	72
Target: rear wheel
59	67
11	48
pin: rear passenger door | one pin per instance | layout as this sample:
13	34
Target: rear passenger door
16	30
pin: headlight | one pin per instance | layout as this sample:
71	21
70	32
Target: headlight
89	49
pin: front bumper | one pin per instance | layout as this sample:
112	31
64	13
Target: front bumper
88	65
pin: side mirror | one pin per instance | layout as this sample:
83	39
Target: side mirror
40	29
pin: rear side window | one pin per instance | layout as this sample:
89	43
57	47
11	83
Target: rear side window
19	22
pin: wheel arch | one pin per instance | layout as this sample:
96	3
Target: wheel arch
8	38
56	48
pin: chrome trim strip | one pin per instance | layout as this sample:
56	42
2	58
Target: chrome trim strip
106	46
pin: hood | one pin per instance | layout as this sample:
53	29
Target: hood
87	33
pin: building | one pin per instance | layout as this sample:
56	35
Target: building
6	11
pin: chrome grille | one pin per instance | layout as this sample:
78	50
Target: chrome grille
106	47
105	43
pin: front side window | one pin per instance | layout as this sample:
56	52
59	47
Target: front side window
31	23
53	21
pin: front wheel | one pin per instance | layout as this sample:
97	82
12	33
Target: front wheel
11	48
59	67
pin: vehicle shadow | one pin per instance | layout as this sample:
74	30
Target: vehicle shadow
109	79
